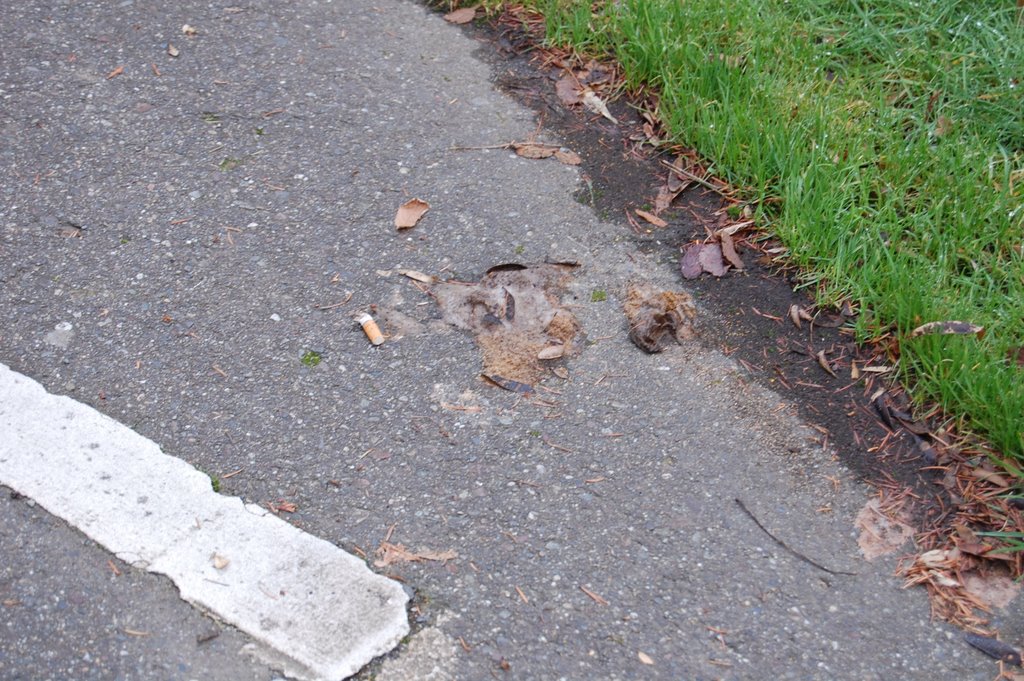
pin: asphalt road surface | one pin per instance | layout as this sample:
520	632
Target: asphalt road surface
184	241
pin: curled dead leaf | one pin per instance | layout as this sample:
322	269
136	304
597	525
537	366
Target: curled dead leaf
824	363
595	104
653	219
729	250
797	313
189	30
951	327
172	50
732	229
794	315
463	15
410	212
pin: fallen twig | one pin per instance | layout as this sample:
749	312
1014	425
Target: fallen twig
334	305
699	180
597	599
786	546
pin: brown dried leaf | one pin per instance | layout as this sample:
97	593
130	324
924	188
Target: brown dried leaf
595	104
531	150
410	212
653	219
115	73
829	321
689	264
823	363
440	556
729	250
710	259
417	276
569	158
461	16
567	91
948	327
650	135
284	506
666	195
990	476
733	228
676	183
968	542
794	315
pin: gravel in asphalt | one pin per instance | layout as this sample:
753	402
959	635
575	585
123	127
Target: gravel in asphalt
185	241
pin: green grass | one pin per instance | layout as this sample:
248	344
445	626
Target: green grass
1013	542
884	144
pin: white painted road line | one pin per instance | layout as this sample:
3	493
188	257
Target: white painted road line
319	612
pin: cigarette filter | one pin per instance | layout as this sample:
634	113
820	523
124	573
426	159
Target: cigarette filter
370	328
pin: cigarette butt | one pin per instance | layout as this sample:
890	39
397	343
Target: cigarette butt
370	328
